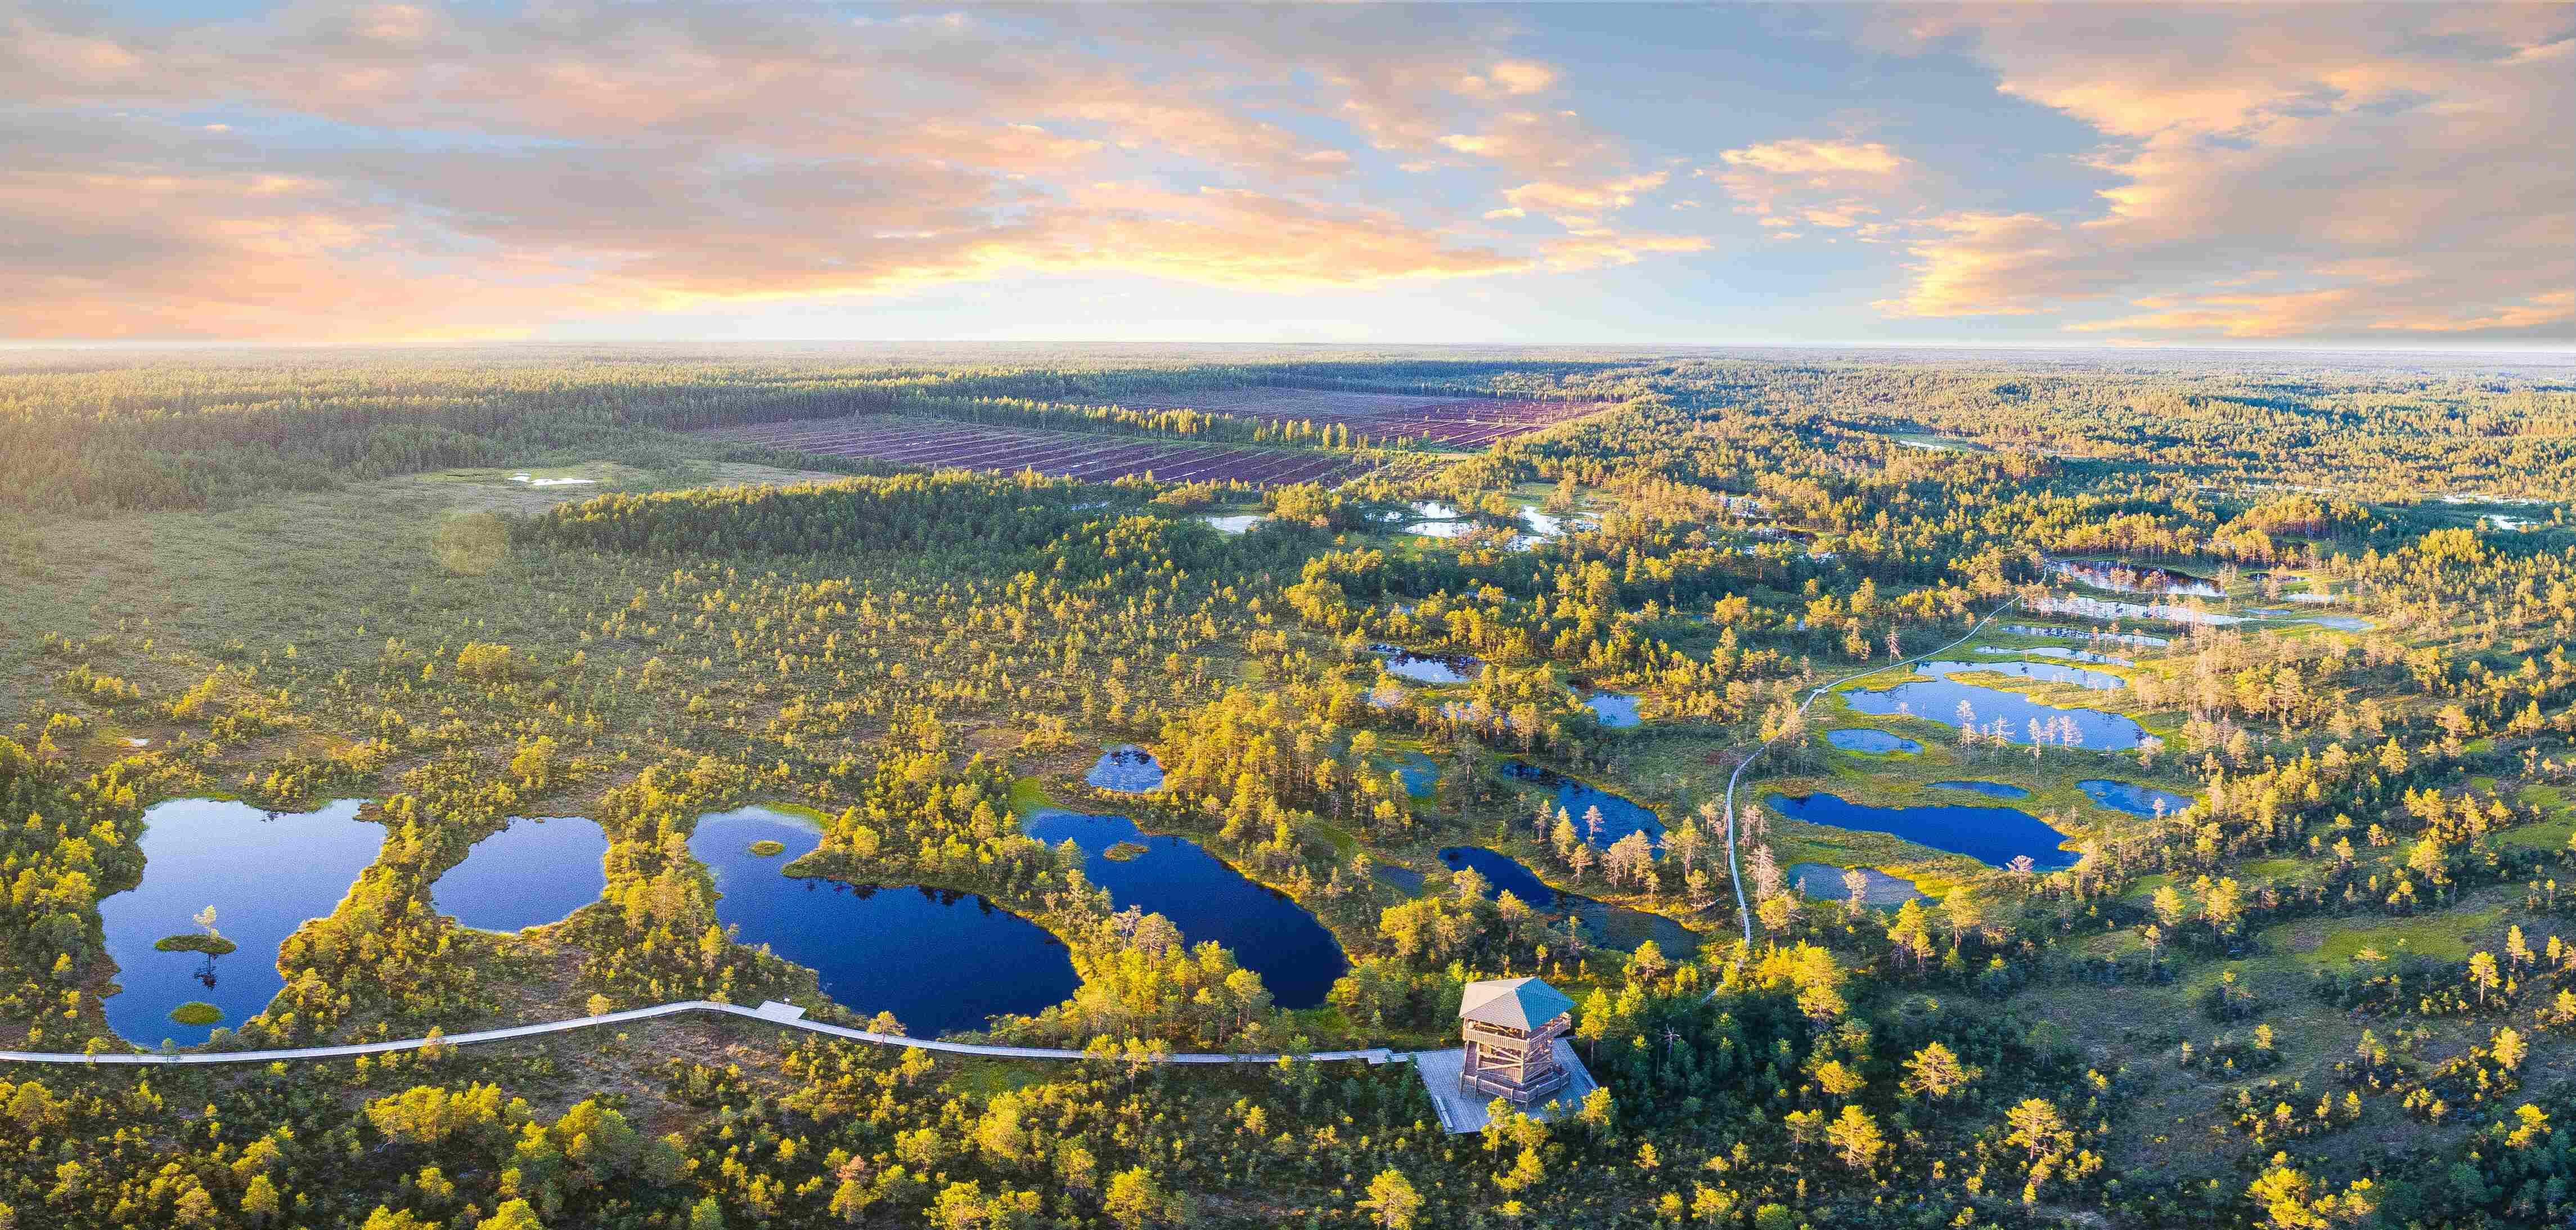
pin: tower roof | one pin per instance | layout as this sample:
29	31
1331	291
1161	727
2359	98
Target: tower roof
1517	1003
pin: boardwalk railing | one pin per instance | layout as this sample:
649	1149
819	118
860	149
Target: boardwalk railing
773	1012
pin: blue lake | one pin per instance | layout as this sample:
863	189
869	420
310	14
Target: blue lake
529	874
1992	790
1614	709
1127	769
264	872
940	961
1427	667
1612	925
2131	797
1990	835
1270	934
1939	700
1874	742
1619	817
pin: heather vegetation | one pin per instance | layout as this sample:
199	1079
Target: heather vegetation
2298	949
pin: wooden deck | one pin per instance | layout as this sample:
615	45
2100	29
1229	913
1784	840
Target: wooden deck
1462	1112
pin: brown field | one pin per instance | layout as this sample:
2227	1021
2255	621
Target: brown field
939	445
1464	422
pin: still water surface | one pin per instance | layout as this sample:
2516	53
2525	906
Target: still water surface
940	961
264	872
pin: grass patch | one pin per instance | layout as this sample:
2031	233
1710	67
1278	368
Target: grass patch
197	1012
766	848
1028	794
1124	851
211	945
2330	942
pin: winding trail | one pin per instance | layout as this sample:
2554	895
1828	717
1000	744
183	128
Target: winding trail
1744	908
774	1012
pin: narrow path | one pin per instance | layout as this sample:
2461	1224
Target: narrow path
1744	908
773	1012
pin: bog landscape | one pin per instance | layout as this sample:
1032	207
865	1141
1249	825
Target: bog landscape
676	615
1943	788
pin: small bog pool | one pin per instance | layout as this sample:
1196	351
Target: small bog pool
939	961
1126	769
1991	835
2021	718
1615	926
1420	773
1824	882
1873	742
263	874
1619	817
1616	710
1427	667
1270	934
527	875
2133	798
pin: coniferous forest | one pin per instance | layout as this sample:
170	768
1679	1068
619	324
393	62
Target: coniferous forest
2157	802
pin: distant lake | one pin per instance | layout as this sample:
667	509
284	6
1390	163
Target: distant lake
1616	710
940	961
2133	578
1271	934
2132	798
1619	817
1990	835
532	873
1939	701
1127	769
265	873
1429	667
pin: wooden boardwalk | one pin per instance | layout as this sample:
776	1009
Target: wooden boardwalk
773	1012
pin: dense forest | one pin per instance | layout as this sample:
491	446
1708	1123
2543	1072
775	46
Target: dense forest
2321	612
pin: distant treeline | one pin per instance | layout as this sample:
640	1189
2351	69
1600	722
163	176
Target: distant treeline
197	435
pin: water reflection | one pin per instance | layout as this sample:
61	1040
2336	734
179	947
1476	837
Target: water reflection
1619	817
1990	835
1872	742
534	872
1269	933
940	961
2133	798
263	873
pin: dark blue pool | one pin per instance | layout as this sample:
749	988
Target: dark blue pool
940	961
1269	933
1990	835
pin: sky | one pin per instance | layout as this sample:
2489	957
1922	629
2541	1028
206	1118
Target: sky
2025	175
